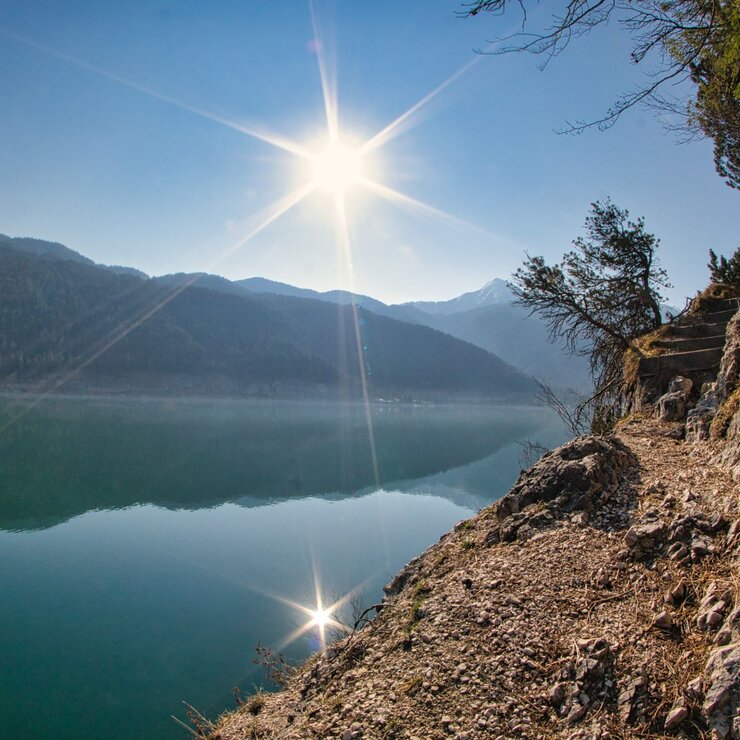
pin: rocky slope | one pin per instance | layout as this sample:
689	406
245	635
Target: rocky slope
599	598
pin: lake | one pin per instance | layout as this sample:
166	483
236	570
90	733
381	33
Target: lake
147	547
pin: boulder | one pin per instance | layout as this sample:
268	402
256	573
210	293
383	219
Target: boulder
727	377
721	707
672	406
580	476
699	419
680	384
647	534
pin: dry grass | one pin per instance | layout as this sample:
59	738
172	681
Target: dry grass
721	422
708	298
255	703
643	346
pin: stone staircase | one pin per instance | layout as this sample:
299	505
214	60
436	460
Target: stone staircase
692	347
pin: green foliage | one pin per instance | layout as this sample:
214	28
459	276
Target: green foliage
602	296
687	40
421	589
723	270
714	60
420	593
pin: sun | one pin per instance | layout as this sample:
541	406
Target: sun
337	168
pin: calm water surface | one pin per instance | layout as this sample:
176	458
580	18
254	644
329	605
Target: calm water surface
147	547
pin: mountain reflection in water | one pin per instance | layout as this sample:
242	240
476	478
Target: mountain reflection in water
149	546
69	456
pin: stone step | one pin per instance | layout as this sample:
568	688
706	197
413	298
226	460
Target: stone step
689	344
727	304
697	330
716	317
681	362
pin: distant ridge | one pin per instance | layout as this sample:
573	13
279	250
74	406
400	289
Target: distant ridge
263	285
493	293
63	317
201	280
52	250
486	317
57	251
342	297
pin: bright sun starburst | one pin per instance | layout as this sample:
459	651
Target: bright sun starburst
320	617
337	165
337	168
322	620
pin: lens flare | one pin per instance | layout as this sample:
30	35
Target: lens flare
336	167
321	617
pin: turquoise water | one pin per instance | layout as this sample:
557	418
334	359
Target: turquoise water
147	547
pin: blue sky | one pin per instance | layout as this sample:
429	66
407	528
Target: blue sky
125	177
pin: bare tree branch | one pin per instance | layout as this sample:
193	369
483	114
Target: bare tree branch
695	41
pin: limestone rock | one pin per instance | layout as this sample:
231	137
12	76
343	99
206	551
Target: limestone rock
677	594
681	385
672	406
663	621
576	713
729	368
712	608
675	717
721	708
647	534
580	476
699	419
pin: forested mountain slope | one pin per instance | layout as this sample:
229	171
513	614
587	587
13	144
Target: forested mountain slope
65	318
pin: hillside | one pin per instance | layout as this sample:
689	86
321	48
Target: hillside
63	319
56	251
598	599
42	248
573	618
486	317
510	332
402	312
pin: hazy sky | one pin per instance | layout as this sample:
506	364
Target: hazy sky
104	162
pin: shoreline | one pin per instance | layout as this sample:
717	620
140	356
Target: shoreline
473	617
18	394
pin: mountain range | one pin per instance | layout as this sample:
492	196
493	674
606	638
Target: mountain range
487	317
68	323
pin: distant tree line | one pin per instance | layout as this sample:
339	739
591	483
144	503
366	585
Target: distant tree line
60	316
